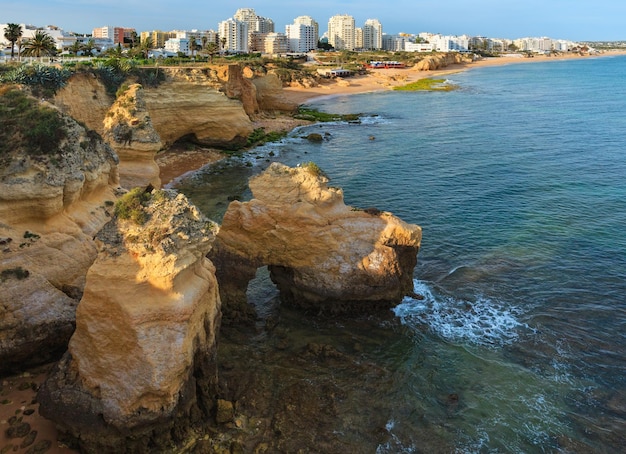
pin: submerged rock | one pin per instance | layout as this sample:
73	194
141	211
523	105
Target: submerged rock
322	254
141	363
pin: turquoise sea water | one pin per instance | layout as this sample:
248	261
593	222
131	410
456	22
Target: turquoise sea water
518	180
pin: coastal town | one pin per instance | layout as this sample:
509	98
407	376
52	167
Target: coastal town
179	274
248	32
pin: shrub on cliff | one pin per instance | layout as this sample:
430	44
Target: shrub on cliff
43	79
131	205
28	124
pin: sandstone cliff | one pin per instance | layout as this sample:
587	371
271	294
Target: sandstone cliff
440	61
146	329
85	99
128	129
179	108
321	253
51	205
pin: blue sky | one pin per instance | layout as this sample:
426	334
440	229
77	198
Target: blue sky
575	20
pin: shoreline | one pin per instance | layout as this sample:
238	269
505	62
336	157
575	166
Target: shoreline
176	161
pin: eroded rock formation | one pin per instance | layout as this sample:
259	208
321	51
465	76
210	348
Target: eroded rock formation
270	95
51	205
179	109
128	129
321	253
141	364
440	61
85	98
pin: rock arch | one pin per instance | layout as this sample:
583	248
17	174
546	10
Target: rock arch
322	254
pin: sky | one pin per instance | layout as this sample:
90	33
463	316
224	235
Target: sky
575	20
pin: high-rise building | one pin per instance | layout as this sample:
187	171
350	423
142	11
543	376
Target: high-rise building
157	38
233	35
255	23
303	34
276	43
341	32
372	34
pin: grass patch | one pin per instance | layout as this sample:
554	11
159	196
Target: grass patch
427	85
28	125
131	206
260	137
313	169
305	113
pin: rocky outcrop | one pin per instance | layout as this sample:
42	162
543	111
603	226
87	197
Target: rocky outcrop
51	205
141	364
128	129
270	95
440	61
85	98
180	109
321	253
241	88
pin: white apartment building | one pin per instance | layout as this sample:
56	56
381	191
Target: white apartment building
236	35
303	34
276	43
256	23
450	43
539	45
358	38
418	47
393	43
175	45
372	34
341	32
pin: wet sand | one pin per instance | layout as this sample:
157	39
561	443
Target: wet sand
22	428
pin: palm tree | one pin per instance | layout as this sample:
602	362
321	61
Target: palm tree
223	42
193	45
13	33
134	39
40	45
75	47
145	46
211	49
89	47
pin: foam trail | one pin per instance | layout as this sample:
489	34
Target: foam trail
481	322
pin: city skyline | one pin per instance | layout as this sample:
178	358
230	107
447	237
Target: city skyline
601	20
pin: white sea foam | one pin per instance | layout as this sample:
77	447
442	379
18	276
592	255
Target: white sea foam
480	322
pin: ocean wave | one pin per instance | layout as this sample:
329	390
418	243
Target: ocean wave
483	321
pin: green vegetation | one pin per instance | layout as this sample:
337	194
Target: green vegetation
131	206
428	85
18	273
40	45
28	125
13	33
313	169
305	113
259	137
31	235
45	79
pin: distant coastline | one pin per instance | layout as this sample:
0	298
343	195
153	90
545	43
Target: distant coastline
177	162
385	79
